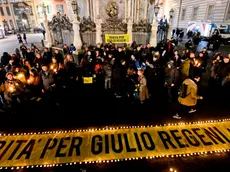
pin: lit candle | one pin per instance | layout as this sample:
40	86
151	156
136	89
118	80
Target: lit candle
51	67
55	70
11	88
20	76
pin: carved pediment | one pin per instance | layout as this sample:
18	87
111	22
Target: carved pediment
87	25
59	22
114	24
142	26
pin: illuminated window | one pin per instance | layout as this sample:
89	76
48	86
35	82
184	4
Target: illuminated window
40	10
49	9
4	2
60	8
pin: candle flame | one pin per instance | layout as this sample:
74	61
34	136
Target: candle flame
20	75
11	88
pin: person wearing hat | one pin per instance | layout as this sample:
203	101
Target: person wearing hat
47	79
171	80
13	88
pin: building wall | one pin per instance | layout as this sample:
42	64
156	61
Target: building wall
36	17
51	9
7	17
218	15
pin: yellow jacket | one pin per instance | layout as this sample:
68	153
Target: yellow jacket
191	99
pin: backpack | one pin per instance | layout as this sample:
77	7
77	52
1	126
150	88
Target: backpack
183	91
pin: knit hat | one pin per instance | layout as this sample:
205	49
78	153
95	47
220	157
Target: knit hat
9	73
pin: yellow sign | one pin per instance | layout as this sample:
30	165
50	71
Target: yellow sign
121	38
114	144
87	80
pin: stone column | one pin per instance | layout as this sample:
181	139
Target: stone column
146	10
132	10
129	9
135	11
76	28
130	30
98	30
153	38
48	41
97	6
138	10
169	33
87	8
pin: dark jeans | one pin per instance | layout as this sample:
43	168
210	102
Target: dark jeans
184	110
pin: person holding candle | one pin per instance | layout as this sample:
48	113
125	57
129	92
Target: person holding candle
33	86
38	61
13	89
46	79
54	65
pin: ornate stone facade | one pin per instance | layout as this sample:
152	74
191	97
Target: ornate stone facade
114	24
87	25
99	17
106	5
60	22
142	26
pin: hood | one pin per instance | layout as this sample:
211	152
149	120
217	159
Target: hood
190	82
171	64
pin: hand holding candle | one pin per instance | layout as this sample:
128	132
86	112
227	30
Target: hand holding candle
11	88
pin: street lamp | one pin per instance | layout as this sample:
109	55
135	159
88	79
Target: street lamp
153	38
171	13
74	6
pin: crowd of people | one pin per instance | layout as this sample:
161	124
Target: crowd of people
34	74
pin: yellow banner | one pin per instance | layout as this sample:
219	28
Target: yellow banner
87	80
118	38
114	144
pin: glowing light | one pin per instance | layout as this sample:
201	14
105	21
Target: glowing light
20	76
